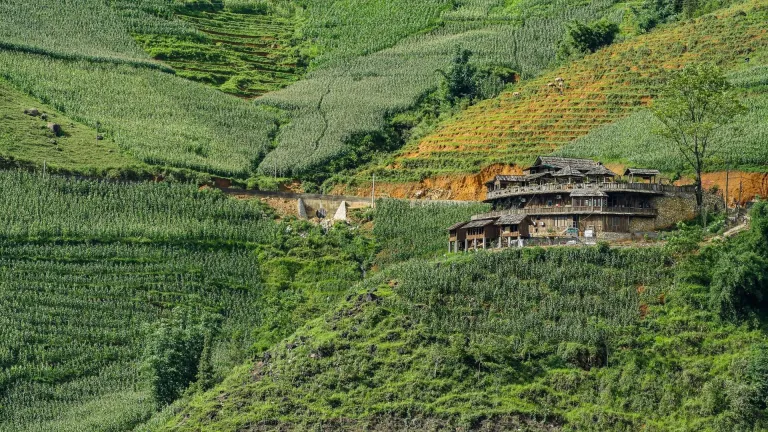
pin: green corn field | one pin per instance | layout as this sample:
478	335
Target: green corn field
89	268
417	230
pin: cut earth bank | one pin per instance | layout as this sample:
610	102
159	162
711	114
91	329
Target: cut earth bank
472	187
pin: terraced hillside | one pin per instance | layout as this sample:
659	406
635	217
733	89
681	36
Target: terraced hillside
537	118
243	54
745	140
351	94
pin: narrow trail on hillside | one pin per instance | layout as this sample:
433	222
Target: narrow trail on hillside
324	117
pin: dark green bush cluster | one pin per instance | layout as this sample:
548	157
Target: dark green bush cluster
583	38
739	272
178	353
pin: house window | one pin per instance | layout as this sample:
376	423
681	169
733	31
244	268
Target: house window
475	231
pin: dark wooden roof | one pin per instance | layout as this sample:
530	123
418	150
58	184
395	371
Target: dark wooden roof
600	170
641	172
507	178
560	163
588	193
479	223
456	226
511	219
567	171
535	176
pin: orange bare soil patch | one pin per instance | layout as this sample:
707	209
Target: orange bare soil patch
451	187
471	187
746	185
536	118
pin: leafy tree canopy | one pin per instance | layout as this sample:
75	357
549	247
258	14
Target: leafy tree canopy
583	38
694	105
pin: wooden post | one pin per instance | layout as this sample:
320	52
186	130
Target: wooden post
373	192
741	188
725	195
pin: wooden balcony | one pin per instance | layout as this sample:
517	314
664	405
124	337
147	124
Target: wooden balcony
645	188
571	210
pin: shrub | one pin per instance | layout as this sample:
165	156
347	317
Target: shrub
583	39
738	283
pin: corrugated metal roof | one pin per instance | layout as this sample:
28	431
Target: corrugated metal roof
641	171
479	223
560	162
588	193
511	219
510	177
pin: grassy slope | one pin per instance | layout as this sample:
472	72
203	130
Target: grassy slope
89	268
89	71
600	89
26	139
501	341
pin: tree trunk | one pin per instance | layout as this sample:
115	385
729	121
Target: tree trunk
700	197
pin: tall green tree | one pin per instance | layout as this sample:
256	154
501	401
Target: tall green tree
459	82
694	105
178	353
583	38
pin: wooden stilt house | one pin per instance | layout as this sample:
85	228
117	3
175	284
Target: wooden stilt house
512	228
565	197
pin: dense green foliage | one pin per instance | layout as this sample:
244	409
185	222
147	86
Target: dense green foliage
587	38
558	339
117	297
743	145
177	353
418	229
737	273
245	48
